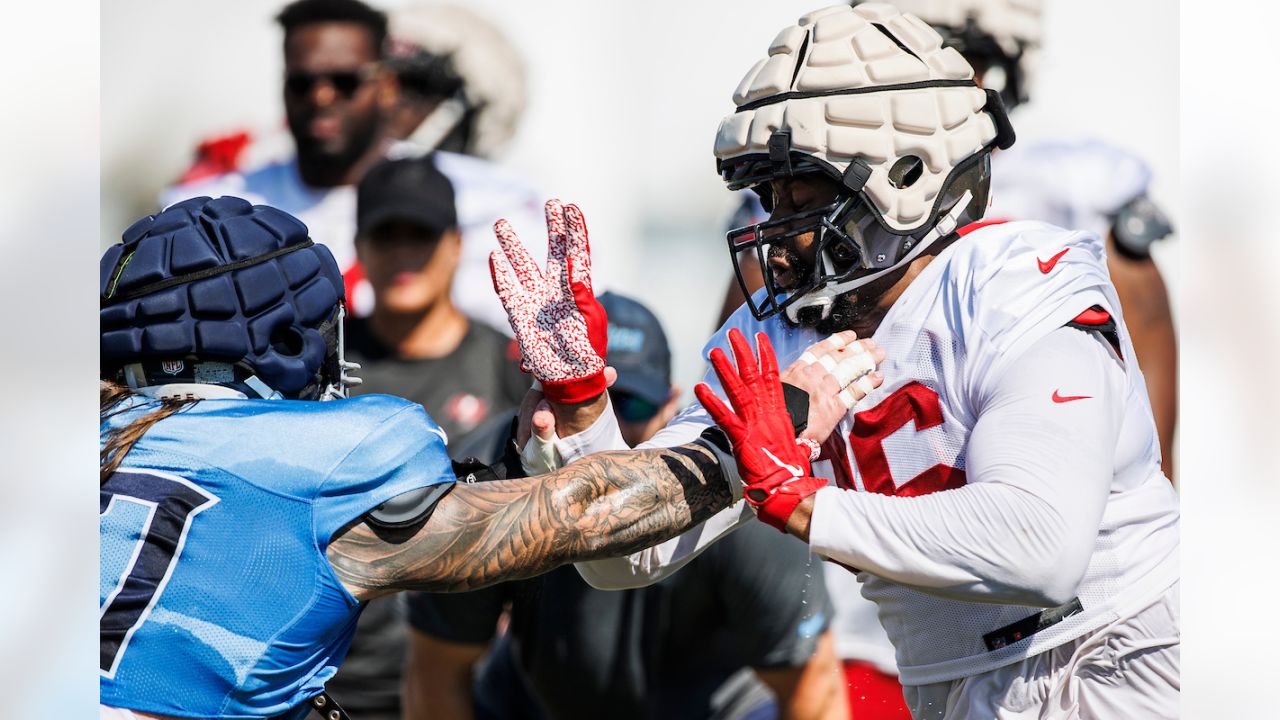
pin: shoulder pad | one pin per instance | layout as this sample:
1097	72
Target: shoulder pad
409	508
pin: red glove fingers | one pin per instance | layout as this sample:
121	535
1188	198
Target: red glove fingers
774	468
724	417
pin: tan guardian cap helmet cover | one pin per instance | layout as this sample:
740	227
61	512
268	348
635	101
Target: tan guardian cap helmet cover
868	96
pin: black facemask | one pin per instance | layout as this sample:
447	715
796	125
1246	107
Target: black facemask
850	239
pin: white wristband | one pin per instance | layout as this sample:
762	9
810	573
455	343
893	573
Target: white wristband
812	446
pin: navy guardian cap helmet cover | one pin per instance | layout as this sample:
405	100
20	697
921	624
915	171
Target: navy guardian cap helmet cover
222	292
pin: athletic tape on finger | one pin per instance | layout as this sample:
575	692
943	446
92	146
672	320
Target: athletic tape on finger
836	342
863	385
853	367
808	358
847	399
539	457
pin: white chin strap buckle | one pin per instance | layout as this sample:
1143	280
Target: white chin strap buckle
818	298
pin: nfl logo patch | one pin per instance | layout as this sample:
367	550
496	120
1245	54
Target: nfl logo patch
172	367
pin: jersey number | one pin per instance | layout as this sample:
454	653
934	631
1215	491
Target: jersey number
143	520
912	402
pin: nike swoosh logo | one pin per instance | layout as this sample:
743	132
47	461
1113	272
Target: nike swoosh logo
1045	267
440	432
1068	398
793	469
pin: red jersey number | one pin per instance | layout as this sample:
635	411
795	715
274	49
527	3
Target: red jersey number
911	402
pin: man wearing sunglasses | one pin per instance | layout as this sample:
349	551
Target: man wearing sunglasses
341	98
338	97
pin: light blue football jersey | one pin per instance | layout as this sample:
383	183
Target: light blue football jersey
216	597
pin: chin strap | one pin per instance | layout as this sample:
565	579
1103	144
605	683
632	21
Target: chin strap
824	297
191	391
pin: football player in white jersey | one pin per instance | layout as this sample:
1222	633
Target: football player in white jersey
1077	183
1000	494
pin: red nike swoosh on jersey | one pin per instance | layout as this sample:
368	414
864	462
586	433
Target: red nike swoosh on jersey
1045	267
1068	398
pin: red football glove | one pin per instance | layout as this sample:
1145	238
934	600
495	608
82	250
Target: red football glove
773	465
561	328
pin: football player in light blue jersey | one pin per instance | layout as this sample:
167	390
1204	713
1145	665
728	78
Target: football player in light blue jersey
243	523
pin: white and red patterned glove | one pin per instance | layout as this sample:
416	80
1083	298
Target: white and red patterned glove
773	464
562	329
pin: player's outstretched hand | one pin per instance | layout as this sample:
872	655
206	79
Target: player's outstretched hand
773	464
561	328
836	372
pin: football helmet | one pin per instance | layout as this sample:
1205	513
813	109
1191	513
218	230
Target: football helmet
1000	38
871	98
221	298
447	50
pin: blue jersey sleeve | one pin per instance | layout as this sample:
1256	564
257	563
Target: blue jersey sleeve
404	452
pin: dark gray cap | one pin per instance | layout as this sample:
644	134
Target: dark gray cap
411	190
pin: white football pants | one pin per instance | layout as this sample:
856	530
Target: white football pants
1128	669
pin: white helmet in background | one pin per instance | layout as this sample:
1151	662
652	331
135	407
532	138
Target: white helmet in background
1000	38
441	50
871	98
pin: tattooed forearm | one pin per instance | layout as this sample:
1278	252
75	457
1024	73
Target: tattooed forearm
605	505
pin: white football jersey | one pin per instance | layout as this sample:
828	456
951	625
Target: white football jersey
967	316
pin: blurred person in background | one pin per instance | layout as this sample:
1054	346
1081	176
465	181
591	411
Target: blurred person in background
740	633
355	82
416	345
338	95
462	92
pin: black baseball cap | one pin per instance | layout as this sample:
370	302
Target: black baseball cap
638	349
411	190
